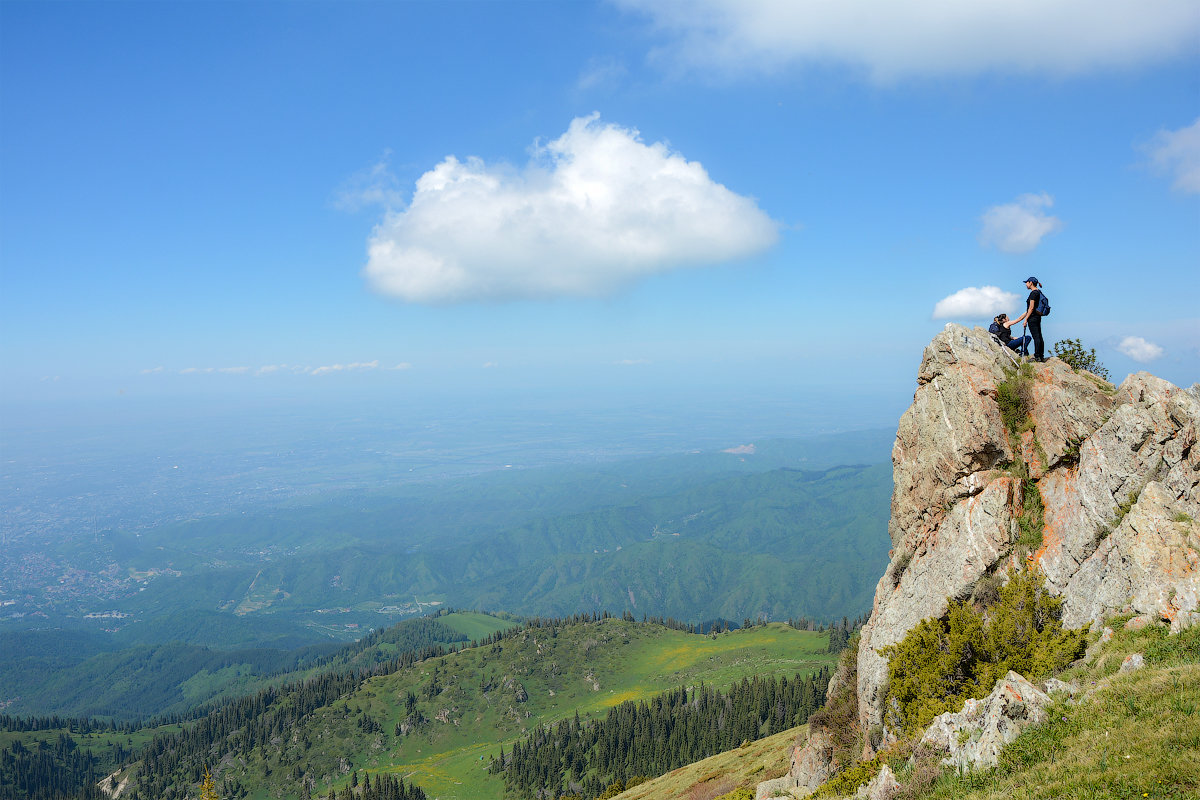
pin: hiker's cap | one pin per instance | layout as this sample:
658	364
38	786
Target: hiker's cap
1031	279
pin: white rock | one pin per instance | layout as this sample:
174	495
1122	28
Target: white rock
974	736
883	786
1132	662
1184	620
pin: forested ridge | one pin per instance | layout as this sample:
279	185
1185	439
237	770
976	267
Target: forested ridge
175	681
254	722
325	731
648	739
60	766
55	770
246	724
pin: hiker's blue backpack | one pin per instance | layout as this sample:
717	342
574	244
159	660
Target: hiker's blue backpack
1043	305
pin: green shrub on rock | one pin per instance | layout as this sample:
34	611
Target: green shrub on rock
943	662
1073	352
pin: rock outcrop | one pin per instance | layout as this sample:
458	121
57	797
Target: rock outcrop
1118	473
883	786
974	736
1117	470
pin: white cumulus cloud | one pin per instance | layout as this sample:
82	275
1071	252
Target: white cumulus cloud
975	302
593	210
1018	227
1139	349
889	40
1177	153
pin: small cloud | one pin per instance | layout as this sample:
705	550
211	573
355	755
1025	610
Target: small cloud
195	370
491	365
594	210
1139	349
403	365
1018	227
234	370
358	365
1177	154
889	41
975	302
269	368
153	370
373	186
601	72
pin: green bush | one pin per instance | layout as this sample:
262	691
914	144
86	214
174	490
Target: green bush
741	793
847	781
839	715
1072	352
1014	396
1031	522
943	662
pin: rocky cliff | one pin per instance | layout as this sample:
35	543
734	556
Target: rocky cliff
1099	486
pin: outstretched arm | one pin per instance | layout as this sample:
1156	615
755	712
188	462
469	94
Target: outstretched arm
1023	317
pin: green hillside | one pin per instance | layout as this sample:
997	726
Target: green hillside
175	678
741	768
439	721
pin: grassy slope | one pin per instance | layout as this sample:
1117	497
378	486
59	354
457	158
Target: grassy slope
586	668
745	767
474	625
1138	736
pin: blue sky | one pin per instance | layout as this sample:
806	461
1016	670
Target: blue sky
235	200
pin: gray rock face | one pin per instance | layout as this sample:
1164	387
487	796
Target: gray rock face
974	736
1118	471
812	764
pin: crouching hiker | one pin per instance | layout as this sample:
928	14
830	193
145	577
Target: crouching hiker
999	330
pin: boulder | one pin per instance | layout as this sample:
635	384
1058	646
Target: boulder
974	736
1133	662
776	787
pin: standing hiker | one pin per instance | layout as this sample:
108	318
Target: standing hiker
1033	318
